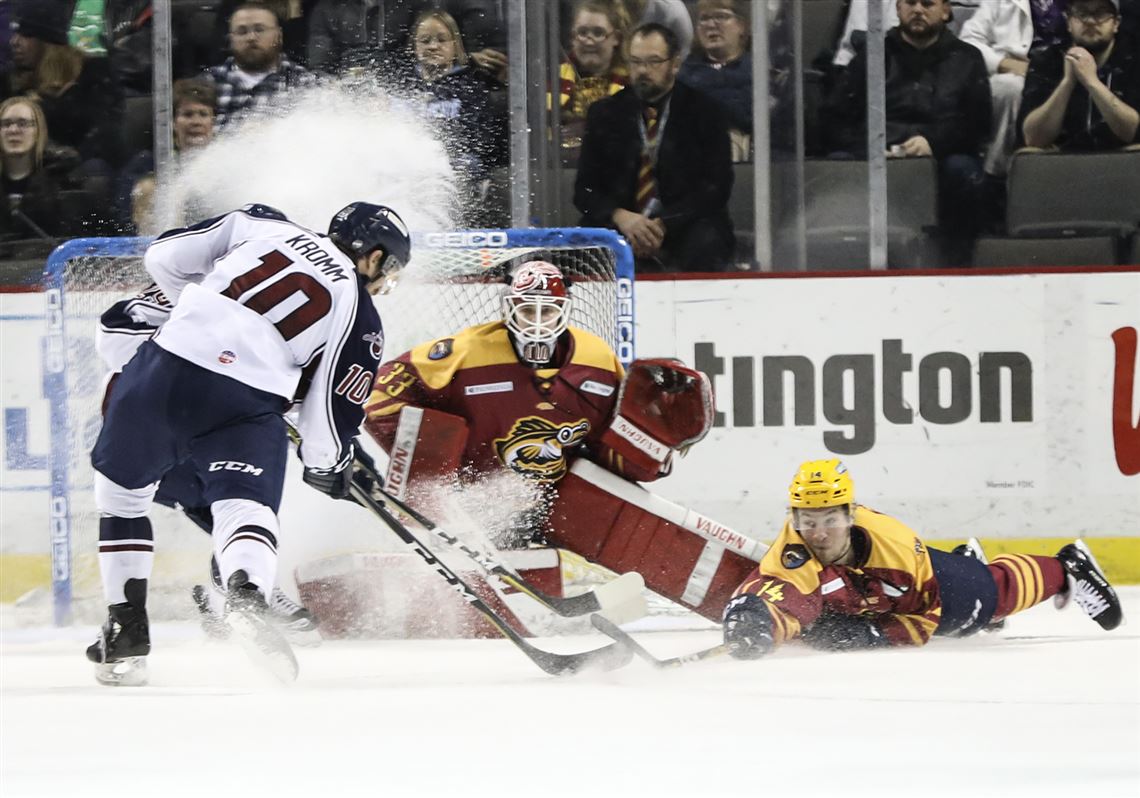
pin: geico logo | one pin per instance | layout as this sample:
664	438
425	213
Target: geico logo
855	390
473	238
233	465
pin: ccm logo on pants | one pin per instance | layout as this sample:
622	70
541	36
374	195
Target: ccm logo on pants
233	465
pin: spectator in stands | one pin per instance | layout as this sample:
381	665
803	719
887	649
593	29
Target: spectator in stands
78	97
291	16
440	82
855	28
721	66
656	164
1007	32
938	105
257	75
673	14
595	68
1085	96
31	194
193	101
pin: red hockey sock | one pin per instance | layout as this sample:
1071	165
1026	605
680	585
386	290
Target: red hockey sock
1024	580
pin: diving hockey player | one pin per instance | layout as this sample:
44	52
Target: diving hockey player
265	311
841	576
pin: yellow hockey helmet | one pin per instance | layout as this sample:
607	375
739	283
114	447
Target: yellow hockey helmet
821	483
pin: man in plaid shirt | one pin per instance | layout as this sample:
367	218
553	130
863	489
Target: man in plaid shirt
257	72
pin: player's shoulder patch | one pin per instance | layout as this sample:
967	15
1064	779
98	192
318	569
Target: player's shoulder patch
794	555
441	349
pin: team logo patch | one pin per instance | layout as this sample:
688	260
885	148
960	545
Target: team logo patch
535	447
489	387
794	555
440	349
226	357
375	343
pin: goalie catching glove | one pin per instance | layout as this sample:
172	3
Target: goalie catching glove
663	406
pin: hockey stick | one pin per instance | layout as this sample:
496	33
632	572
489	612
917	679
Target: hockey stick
612	630
616	598
614	655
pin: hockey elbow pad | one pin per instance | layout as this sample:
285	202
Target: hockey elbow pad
748	627
834	631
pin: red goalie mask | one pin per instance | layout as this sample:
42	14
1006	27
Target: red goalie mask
536	310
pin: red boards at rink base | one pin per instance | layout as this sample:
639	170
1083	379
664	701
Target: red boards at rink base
379	595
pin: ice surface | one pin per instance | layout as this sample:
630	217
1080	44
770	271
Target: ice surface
1049	707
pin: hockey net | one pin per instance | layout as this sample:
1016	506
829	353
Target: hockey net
455	280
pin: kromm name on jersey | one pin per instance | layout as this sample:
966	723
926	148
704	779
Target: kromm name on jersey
313	253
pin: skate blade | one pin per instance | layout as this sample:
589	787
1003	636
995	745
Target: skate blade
306	636
127	672
265	646
212	623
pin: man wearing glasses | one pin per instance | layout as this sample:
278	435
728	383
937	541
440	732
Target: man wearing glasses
1084	96
656	164
257	71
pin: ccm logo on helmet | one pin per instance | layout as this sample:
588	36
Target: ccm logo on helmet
473	238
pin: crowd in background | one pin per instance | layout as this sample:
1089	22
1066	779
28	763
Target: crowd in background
969	83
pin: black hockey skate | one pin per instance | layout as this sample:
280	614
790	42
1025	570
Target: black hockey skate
973	548
297	623
124	641
247	616
1087	585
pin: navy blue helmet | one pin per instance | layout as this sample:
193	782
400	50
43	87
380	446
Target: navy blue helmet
361	227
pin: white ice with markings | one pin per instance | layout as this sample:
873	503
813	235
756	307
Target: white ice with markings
1048	707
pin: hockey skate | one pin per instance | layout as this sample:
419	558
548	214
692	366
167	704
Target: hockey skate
295	621
973	548
247	616
124	641
1086	584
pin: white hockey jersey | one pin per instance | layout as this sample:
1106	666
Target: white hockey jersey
277	307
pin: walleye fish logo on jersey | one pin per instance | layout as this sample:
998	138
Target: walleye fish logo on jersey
535	447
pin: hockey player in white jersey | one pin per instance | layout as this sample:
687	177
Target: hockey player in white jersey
265	313
123	328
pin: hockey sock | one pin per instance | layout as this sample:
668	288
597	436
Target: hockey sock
1024	580
126	551
252	549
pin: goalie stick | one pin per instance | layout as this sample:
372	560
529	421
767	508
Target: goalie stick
614	655
621	598
612	630
609	657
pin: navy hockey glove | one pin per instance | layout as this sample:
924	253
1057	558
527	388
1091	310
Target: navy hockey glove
837	632
333	481
748	627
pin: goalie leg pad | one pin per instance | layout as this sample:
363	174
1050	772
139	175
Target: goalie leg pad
676	563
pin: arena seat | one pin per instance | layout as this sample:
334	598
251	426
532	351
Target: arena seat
836	213
1073	194
1074	251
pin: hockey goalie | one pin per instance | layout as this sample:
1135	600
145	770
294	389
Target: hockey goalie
532	399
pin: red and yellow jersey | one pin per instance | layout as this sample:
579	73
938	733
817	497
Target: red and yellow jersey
891	581
532	421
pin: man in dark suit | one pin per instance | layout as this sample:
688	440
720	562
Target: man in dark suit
656	164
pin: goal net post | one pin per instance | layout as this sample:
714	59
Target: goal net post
455	279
